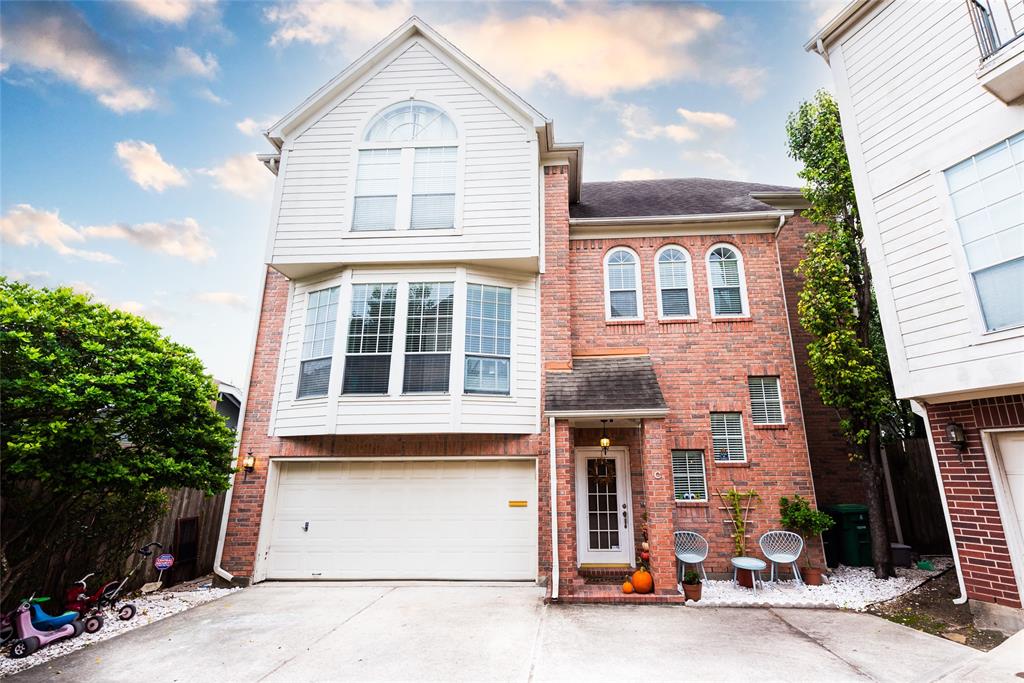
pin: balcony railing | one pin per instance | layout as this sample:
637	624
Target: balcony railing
994	23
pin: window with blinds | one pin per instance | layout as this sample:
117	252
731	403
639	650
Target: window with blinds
376	198
488	339
371	330
622	278
765	400
727	437
428	340
318	342
433	188
689	480
726	285
674	283
987	192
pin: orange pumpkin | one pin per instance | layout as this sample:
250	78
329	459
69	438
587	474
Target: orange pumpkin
643	582
627	587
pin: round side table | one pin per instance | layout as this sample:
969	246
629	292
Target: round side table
753	565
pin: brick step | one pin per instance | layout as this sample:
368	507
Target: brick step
604	575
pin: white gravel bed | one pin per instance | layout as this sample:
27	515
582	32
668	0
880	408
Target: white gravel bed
846	588
151	608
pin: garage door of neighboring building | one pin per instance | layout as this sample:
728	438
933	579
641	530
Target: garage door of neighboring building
401	519
1011	451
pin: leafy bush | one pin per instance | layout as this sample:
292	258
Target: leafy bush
798	516
691	578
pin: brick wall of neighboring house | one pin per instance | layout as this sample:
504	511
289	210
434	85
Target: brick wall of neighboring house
836	478
980	536
703	366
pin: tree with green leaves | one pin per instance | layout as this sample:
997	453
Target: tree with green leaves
838	309
100	415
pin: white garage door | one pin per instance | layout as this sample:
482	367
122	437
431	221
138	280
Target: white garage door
405	520
1011	449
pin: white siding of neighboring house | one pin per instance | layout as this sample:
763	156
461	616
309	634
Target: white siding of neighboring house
498	210
912	107
413	414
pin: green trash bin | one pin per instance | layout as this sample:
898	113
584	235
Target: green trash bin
849	541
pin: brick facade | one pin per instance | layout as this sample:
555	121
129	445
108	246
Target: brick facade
967	480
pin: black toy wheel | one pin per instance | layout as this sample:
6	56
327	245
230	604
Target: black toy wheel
126	612
23	648
93	623
79	627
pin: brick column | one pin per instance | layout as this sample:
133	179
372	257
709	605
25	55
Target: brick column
657	463
565	464
556	287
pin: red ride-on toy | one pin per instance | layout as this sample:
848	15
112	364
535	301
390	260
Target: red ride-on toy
91	606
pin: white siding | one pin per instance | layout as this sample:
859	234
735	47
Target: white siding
913	106
498	205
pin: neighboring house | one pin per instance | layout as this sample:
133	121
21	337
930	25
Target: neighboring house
451	318
930	99
229	403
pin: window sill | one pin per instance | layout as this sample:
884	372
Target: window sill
772	427
692	503
470	394
732	464
736	319
311	398
426	232
623	321
677	321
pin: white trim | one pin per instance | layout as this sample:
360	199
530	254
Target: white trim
553	505
279	375
457	357
639	290
633	412
275	209
623	485
682	219
744	304
782	403
743	436
1004	501
689	283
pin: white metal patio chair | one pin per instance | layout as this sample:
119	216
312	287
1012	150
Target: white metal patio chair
691	548
782	547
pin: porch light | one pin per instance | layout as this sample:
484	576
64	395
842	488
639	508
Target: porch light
605	441
955	435
248	464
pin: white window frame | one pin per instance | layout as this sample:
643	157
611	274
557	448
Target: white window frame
689	283
703	474
782	407
474	282
637	272
743	436
332	351
403	208
745	313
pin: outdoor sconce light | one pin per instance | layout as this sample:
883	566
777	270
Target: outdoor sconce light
955	435
248	464
605	441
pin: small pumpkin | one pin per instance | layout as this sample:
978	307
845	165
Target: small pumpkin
642	581
627	587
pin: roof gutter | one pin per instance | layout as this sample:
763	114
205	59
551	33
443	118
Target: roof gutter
621	413
680	220
853	10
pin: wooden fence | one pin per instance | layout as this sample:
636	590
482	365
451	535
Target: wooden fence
916	493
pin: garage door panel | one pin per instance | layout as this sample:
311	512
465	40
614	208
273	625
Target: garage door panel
404	520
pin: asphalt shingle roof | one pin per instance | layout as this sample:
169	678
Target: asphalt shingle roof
626	383
669	197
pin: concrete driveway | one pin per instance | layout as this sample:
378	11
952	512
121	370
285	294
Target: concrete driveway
472	632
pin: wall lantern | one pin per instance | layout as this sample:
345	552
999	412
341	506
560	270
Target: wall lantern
248	464
605	441
955	435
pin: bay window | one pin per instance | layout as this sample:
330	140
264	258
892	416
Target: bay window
318	343
428	337
488	339
371	331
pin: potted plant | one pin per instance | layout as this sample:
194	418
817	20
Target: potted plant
798	516
691	585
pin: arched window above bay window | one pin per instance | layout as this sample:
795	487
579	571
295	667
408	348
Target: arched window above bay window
623	296
407	170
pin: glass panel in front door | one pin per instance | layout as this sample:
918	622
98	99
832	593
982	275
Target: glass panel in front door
602	504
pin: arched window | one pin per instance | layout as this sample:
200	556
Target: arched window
725	280
407	168
623	298
675	285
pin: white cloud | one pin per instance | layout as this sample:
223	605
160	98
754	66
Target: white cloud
821	12
184	238
718	163
146	167
638	122
242	174
56	39
362	23
252	127
192	63
748	81
175	12
24	225
210	96
640	174
708	119
230	299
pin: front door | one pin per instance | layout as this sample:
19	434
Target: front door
604	514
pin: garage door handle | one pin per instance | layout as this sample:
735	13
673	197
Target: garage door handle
305	527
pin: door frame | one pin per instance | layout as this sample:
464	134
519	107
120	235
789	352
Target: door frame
627	554
1004	502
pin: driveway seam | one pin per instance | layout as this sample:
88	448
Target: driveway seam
346	620
537	637
807	636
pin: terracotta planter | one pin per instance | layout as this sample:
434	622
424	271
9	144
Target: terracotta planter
811	576
692	591
745	578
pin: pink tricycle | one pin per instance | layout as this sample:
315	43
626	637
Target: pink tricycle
32	636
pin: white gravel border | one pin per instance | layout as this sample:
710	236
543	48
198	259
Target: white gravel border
151	608
848	588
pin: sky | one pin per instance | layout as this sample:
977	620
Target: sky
128	129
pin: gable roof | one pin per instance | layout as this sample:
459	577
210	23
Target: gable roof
672	197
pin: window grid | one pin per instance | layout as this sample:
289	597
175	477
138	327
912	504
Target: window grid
376	193
987	192
726	286
318	342
674	283
371	332
433	188
623	299
428	341
488	339
765	400
727	437
689	479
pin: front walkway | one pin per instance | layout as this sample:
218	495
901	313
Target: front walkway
336	631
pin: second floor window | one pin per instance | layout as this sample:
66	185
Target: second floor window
488	339
406	170
428	337
725	272
765	400
622	282
371	330
727	437
318	343
674	285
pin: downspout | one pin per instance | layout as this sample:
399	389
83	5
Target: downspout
554	508
919	409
